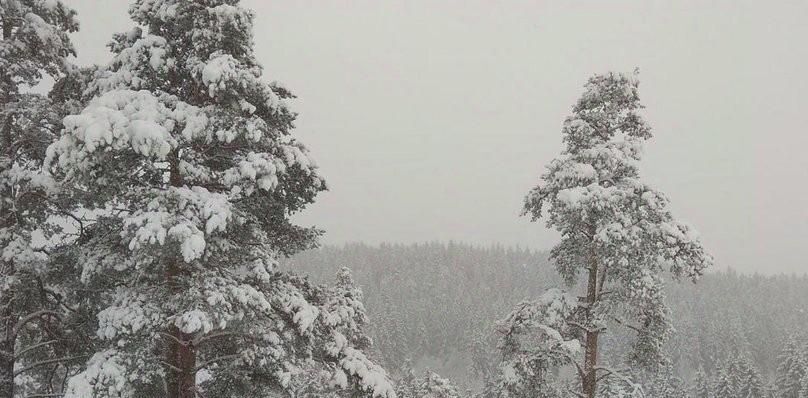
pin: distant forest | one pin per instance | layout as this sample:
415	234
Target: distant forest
434	306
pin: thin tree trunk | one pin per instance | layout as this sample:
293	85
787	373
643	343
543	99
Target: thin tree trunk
589	381
5	77
8	321
182	354
8	318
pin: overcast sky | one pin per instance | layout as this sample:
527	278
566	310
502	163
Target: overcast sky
432	119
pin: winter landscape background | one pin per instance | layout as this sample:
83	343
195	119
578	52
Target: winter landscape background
225	198
434	305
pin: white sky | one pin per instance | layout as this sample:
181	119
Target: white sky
432	119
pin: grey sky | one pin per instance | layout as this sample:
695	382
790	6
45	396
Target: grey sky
432	119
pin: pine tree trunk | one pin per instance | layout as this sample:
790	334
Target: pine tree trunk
182	381
7	347
590	362
182	354
589	381
8	320
6	78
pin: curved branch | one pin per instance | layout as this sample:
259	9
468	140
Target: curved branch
31	317
47	362
34	347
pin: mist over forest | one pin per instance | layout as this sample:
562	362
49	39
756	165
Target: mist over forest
434	306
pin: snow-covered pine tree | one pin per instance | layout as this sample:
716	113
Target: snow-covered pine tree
702	386
33	42
751	383
193	171
316	379
617	232
483	356
791	369
534	340
389	330
738	377
664	384
618	387
431	385
804	387
726	383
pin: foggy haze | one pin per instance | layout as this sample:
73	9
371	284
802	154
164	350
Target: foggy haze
432	120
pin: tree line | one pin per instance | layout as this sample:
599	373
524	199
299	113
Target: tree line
727	326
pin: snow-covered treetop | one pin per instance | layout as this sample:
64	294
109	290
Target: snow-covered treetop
593	192
34	39
200	51
430	385
609	108
182	122
613	225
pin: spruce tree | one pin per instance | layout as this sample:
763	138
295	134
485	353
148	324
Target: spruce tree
188	155
726	384
618	234
34	42
664	384
702	387
431	385
804	387
752	385
791	369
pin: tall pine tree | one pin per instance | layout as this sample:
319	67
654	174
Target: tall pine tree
617	232
193	171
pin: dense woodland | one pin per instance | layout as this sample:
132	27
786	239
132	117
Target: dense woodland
434	306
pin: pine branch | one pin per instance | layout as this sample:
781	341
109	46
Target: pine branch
622	323
33	347
32	317
217	359
47	362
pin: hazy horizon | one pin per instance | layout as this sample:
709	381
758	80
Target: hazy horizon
432	120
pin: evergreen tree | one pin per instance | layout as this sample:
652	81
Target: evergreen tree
431	385
804	387
702	387
726	384
738	377
664	384
194	173
791	369
752	385
535	341
617	232
34	313
617	387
